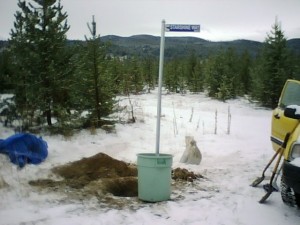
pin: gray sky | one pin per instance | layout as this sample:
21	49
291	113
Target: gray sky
219	19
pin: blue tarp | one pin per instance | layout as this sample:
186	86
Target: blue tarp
24	148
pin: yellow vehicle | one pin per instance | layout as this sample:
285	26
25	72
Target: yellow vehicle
286	135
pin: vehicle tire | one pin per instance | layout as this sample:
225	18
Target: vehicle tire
288	195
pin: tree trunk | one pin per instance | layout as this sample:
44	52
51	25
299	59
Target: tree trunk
49	115
96	86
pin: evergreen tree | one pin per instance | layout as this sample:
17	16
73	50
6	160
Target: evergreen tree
149	71
214	76
194	73
221	75
94	86
182	81
114	70
198	78
5	71
135	74
124	78
272	68
244	65
168	76
42	64
131	80
174	76
257	87
231	79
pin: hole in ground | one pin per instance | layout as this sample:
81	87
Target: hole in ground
122	186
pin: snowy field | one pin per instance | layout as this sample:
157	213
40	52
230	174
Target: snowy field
231	161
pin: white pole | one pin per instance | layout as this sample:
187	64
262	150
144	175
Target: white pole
161	65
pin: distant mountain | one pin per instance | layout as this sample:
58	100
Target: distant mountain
294	44
148	46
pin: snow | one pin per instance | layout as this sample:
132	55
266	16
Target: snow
5	97
230	163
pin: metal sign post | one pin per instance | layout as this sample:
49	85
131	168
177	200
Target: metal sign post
168	28
161	68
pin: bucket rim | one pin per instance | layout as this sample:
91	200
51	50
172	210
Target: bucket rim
154	155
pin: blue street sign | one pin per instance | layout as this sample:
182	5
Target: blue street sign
182	28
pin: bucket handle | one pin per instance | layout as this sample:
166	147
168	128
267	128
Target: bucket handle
161	162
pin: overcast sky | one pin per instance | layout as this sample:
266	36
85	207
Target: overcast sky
219	19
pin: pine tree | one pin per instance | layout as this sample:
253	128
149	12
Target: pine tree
5	71
214	73
272	68
231	78
94	86
149	71
221	75
38	44
244	65
174	79
194	73
170	78
135	74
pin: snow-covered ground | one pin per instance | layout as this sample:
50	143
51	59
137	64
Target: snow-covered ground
230	163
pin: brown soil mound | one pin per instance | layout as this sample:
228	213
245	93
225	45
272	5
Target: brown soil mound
98	175
184	174
96	167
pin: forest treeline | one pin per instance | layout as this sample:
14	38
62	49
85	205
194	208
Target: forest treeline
70	86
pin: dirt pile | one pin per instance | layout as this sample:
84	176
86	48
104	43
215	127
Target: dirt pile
95	167
118	177
184	174
99	175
